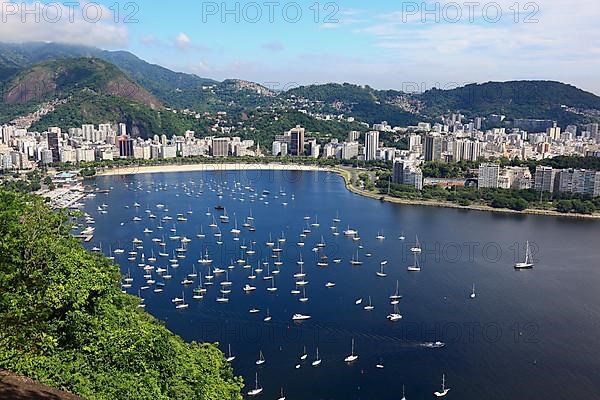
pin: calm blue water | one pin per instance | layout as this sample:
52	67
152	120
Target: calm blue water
527	335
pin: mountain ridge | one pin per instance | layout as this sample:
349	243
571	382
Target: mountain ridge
539	99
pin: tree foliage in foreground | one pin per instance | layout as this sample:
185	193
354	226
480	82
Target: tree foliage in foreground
66	323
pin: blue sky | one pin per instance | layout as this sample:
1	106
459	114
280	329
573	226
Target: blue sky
386	44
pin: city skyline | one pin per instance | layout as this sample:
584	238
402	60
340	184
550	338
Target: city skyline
406	46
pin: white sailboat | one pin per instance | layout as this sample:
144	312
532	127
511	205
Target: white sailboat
352	357
304	355
356	261
444	391
182	304
528	263
370	306
417	247
395	315
381	272
261	359
318	360
396	296
282	396
415	267
257	389
230	357
473	294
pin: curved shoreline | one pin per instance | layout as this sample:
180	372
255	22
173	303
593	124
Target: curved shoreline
444	204
344	173
208	167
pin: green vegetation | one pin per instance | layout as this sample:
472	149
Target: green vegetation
518	200
66	323
364	103
31	182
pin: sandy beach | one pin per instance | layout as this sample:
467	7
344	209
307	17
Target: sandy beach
209	167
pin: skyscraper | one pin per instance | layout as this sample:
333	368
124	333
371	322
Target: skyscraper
371	145
53	145
297	141
433	147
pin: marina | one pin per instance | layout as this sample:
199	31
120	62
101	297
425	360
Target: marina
364	325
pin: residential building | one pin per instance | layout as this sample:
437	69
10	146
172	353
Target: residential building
297	141
489	175
433	147
545	179
407	173
220	147
371	145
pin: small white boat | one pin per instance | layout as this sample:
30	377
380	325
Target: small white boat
370	306
473	294
415	267
304	355
317	360
417	247
528	263
261	359
257	389
230	357
282	396
395	315
444	391
352	357
300	317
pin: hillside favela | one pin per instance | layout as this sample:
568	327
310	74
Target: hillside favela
284	200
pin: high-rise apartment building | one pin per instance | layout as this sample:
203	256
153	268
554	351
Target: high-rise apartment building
371	145
297	141
433	147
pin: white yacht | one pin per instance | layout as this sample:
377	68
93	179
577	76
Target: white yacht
352	357
257	389
417	247
444	391
528	263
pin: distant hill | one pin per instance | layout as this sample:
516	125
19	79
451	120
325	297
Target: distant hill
515	99
363	103
62	78
94	91
154	86
175	89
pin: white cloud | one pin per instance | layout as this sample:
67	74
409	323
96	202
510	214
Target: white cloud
90	24
183	41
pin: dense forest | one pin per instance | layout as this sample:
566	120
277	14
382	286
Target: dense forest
66	323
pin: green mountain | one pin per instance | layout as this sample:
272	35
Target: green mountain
515	99
175	89
363	103
91	91
62	78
